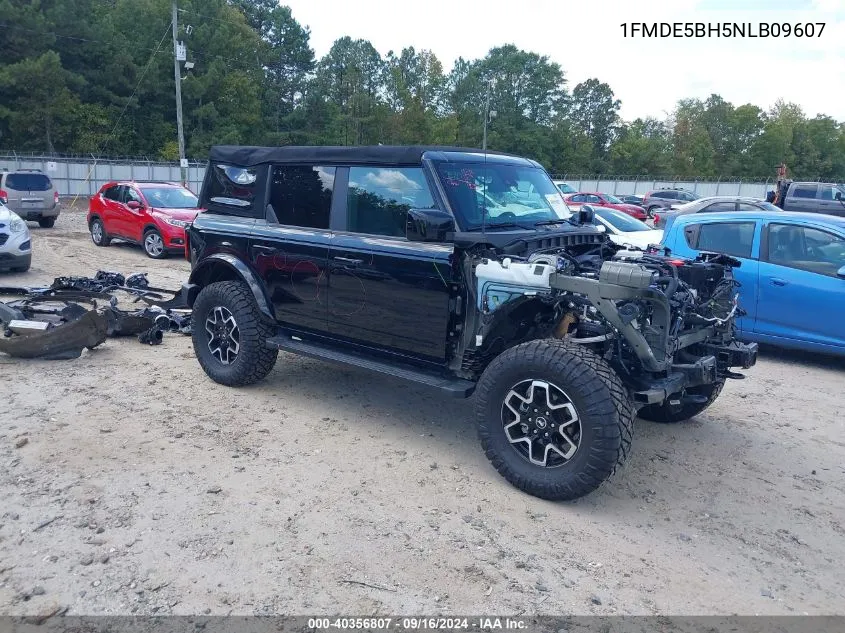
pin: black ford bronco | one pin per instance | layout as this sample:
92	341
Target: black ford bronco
466	272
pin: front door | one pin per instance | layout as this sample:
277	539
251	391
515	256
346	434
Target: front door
385	291
290	248
801	297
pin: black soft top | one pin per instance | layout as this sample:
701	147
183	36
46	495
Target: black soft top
249	156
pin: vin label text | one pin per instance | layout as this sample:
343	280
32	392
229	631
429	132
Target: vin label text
722	29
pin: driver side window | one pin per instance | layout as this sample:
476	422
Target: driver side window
130	194
806	248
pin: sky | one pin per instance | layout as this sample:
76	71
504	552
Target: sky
586	38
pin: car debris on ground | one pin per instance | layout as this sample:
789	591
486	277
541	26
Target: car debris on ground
75	313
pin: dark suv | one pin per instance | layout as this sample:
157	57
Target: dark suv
666	198
463	271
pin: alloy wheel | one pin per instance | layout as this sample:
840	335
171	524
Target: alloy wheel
224	335
541	423
153	244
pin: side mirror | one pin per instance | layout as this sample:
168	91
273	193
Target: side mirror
841	272
584	215
839	196
428	225
134	205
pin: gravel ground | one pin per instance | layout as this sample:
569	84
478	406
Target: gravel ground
130	483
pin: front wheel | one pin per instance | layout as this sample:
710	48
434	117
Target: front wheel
230	335
665	413
154	245
553	418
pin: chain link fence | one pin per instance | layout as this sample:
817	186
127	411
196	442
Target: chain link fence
80	176
83	176
638	185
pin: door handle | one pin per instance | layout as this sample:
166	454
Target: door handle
346	261
259	247
778	282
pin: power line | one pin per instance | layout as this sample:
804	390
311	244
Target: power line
71	37
128	101
211	17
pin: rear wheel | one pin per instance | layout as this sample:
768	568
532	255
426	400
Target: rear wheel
98	233
230	335
553	418
651	210
154	244
47	223
667	414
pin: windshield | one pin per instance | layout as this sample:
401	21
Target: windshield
170	197
564	188
496	194
612	199
621	221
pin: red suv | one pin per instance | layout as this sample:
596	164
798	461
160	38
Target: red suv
605	200
152	214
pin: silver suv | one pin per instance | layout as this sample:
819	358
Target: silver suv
30	194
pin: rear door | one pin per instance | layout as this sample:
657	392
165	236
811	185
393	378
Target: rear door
801	297
110	209
289	248
385	291
739	238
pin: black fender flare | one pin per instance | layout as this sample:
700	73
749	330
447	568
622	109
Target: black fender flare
237	269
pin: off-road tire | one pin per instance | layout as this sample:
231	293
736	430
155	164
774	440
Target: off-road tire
664	414
105	240
601	401
47	223
254	359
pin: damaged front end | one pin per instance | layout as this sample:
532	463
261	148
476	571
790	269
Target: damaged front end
664	324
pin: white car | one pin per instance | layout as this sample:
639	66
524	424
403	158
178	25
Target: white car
15	242
625	230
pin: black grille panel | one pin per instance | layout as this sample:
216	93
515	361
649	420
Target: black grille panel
3	238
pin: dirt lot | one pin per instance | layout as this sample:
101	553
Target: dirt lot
146	488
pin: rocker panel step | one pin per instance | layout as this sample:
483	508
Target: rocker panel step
455	387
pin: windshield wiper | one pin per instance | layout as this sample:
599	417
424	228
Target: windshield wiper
501	225
548	222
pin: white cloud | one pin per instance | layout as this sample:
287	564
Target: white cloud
585	38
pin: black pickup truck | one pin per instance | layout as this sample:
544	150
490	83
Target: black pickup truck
464	271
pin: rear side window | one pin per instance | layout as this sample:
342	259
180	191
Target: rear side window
731	238
302	195
28	182
804	191
113	193
666	195
379	198
232	186
719	206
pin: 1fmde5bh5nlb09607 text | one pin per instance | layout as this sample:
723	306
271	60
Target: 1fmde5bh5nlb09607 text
722	29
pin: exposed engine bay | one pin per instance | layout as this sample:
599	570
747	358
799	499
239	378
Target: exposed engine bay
663	323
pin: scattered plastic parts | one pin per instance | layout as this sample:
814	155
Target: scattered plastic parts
153	336
61	342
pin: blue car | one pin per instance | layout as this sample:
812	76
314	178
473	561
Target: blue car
792	273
